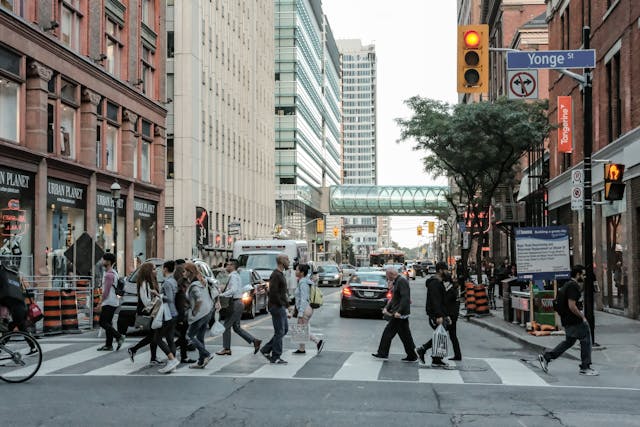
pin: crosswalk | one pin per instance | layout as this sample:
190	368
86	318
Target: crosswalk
82	359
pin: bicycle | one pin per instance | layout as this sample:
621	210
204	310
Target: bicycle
20	356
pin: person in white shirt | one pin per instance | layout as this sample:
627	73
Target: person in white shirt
236	308
109	303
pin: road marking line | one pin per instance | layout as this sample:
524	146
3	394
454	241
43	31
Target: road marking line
359	366
514	372
124	366
66	360
296	362
439	376
217	363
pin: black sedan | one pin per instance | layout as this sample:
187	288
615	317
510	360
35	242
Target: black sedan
256	292
366	292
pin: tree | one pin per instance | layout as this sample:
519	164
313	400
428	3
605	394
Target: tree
478	145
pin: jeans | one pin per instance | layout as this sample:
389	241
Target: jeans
154	338
106	323
280	329
196	334
182	339
401	328
453	336
574	333
233	321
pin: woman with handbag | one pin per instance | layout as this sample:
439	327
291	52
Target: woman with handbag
303	309
149	306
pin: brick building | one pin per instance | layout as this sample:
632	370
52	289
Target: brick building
615	34
80	89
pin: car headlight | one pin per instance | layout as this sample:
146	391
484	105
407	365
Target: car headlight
337	276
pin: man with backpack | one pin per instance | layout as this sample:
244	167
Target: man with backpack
109	303
569	307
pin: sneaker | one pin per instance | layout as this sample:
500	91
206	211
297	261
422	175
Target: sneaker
421	352
171	366
410	359
380	356
589	372
268	356
132	354
320	346
155	362
299	352
256	346
439	364
105	348
188	361
206	360
544	363
120	342
224	352
196	366
279	361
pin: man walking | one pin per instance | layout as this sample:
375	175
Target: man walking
398	309
109	303
436	311
278	303
575	324
236	308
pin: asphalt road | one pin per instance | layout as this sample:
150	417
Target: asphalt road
343	386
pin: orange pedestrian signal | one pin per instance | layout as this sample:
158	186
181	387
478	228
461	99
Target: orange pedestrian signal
473	58
613	185
419	230
336	231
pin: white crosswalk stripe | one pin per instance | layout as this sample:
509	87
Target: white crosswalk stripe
339	366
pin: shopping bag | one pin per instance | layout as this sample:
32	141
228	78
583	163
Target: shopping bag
440	346
299	332
142	322
218	327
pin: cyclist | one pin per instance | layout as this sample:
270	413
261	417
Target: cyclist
12	298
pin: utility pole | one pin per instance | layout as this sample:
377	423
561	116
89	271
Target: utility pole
587	237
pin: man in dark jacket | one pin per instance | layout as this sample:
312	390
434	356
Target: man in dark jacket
436	310
278	303
398	310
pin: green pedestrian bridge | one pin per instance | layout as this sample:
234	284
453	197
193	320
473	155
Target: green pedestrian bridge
387	200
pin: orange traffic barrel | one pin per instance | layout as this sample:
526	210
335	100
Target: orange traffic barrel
97	293
482	302
69	310
470	297
52	315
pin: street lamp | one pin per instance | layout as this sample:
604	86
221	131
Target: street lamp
115	196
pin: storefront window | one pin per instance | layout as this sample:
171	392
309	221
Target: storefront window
68	132
616	289
16	226
144	228
105	225
66	203
112	148
9	109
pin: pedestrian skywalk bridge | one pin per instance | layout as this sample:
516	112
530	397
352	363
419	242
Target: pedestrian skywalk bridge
82	359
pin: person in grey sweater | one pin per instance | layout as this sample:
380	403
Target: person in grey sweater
169	291
303	308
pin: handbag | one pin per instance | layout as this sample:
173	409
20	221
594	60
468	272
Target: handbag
299	332
218	327
34	312
142	322
440	346
163	315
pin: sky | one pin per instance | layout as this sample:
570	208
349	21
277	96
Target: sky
416	50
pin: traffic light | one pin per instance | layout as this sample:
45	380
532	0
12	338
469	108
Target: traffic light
419	230
473	58
336	231
320	226
613	185
431	227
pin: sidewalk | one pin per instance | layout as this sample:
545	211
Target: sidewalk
619	338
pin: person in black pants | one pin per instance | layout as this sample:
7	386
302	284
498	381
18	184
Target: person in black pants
452	309
436	311
398	309
181	319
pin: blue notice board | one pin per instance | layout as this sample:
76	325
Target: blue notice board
542	253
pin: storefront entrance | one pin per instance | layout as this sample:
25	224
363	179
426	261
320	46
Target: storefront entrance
16	226
145	229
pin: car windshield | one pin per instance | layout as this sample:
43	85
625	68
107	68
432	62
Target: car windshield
369	279
258	261
328	269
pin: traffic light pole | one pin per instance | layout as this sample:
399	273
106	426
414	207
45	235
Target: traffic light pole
587	240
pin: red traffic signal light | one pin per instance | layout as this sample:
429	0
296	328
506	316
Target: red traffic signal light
472	39
473	58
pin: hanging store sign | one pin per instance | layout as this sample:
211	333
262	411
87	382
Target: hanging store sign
65	193
565	122
202	227
14	182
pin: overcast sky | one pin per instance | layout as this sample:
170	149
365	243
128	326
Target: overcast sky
416	50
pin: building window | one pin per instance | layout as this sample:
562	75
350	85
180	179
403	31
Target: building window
68	131
70	23
170	44
145	152
170	170
614	101
113	48
9	109
112	148
15	6
147	72
148	13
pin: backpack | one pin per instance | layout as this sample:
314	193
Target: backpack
120	286
315	297
560	302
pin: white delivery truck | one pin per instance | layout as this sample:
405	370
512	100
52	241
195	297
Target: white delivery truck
260	255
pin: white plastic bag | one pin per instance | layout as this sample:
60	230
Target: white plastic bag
299	332
218	327
440	346
163	315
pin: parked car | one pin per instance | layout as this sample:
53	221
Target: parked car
366	292
256	292
411	271
347	272
329	275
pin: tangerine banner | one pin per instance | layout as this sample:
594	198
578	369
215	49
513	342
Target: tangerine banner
565	121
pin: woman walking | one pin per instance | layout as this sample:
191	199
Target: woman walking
148	295
303	308
200	306
236	308
182	304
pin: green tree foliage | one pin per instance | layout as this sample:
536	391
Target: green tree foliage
478	145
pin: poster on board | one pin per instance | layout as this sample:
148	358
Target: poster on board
542	253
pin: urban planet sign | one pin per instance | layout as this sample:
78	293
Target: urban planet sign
104	203
65	193
13	182
144	209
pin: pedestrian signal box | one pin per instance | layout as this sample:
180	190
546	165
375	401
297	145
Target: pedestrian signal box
432	227
320	226
473	58
419	229
613	185
336	231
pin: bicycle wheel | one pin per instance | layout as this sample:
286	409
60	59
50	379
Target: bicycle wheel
20	357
